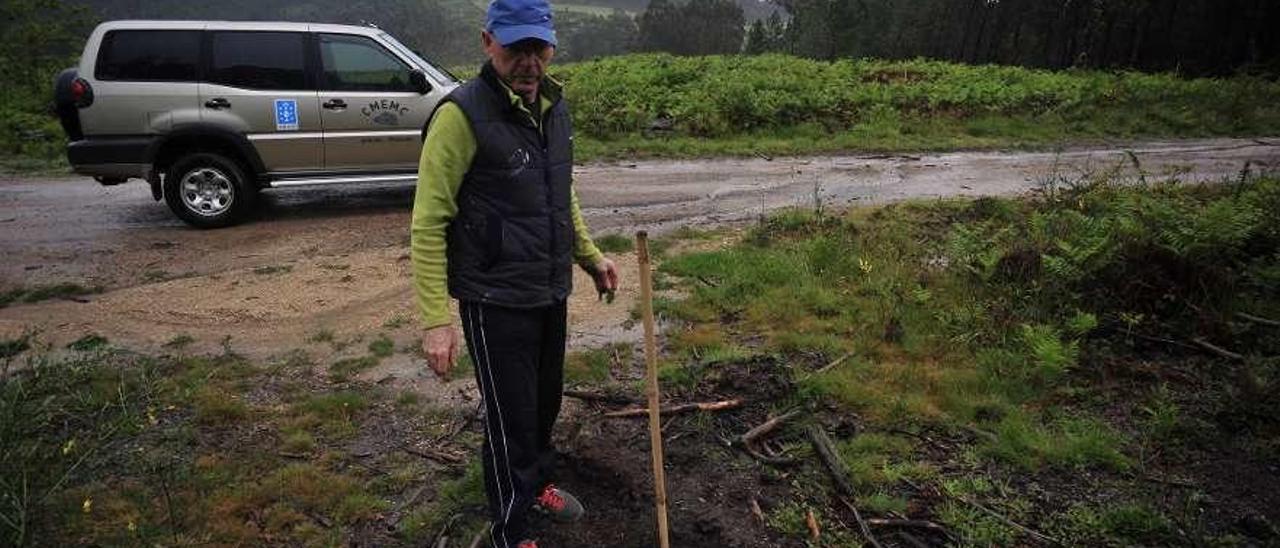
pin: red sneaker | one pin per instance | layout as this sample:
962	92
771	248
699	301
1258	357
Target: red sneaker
558	504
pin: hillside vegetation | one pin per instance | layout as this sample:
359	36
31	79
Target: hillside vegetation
665	105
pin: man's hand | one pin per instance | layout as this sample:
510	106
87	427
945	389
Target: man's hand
440	345
605	274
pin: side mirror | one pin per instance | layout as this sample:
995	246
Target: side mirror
419	81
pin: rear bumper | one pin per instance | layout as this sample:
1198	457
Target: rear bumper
111	156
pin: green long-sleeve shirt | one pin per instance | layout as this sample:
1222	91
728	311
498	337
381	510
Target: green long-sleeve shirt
447	153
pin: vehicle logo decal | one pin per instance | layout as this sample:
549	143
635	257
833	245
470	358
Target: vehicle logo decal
286	115
384	112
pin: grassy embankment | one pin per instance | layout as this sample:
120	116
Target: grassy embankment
665	106
660	105
1040	356
1037	357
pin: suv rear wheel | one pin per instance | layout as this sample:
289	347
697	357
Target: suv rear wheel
207	190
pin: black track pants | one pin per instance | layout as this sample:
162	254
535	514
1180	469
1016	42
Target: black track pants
519	363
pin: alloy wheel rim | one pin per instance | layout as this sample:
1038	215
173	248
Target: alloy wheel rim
207	191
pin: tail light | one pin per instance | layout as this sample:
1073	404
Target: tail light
81	93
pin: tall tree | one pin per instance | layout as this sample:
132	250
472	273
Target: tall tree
699	27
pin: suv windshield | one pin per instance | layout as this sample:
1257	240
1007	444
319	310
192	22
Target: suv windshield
433	69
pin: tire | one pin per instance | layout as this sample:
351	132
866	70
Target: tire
208	190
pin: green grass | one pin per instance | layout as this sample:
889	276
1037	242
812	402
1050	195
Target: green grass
115	448
382	347
179	342
10	348
321	336
268	270
461	495
615	243
975	315
342	370
595	365
87	343
45	292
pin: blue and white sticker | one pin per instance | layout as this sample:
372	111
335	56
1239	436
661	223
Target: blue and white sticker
286	115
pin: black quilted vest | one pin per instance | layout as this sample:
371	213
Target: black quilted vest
511	243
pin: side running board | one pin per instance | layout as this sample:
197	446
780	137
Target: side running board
355	179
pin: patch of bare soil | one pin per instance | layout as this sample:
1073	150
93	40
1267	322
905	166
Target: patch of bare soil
710	486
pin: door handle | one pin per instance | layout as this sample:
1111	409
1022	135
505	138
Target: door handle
217	103
335	104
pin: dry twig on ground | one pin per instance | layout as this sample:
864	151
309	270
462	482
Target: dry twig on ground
1258	319
1005	520
862	524
675	409
835	465
598	397
1219	351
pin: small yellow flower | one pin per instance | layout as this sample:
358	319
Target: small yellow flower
133	527
864	265
68	447
88	505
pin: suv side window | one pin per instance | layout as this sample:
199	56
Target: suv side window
149	55
357	63
258	60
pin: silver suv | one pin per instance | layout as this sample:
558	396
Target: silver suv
210	112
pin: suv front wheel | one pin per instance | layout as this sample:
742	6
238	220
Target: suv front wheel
207	190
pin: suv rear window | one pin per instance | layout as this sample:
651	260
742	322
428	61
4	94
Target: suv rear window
149	55
259	60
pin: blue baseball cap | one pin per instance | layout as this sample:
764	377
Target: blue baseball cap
511	21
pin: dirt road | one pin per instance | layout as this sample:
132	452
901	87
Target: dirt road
336	260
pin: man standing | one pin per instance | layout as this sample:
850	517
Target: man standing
496	220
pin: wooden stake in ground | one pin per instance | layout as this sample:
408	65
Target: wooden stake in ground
651	373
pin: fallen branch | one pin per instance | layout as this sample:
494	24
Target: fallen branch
1257	319
1166	481
320	520
676	409
920	437
400	513
1149	338
432	454
767	427
1005	520
777	461
1221	352
907	524
989	436
463	424
597	397
834	363
827	452
862	524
